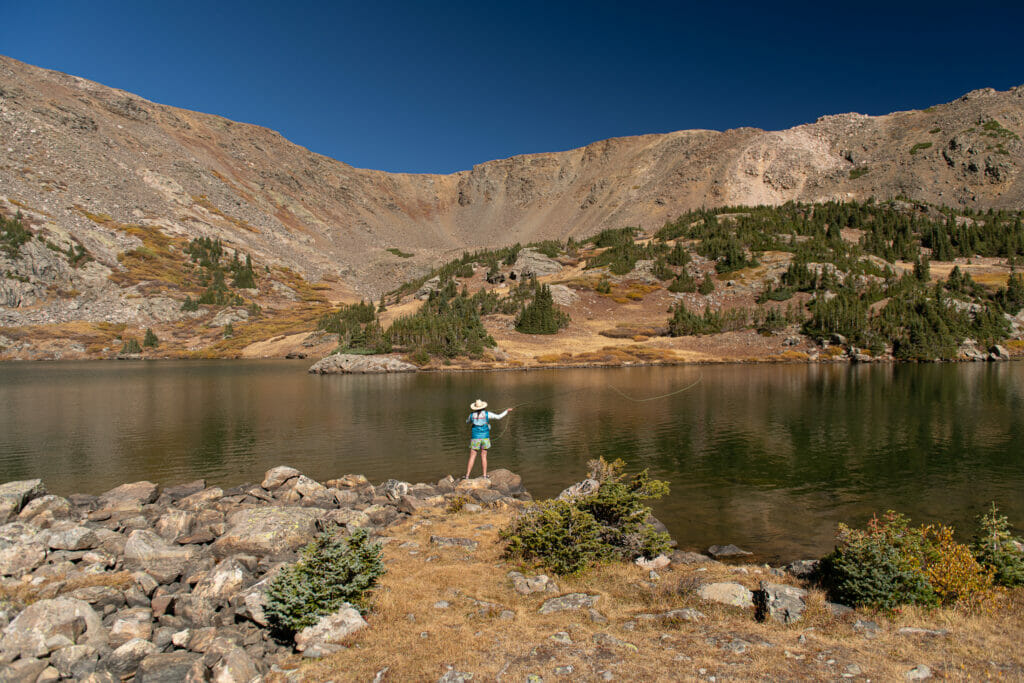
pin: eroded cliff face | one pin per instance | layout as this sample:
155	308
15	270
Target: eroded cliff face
83	161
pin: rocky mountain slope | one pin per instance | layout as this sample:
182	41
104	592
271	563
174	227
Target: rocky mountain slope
127	182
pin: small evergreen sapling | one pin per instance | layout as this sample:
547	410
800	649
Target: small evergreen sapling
332	570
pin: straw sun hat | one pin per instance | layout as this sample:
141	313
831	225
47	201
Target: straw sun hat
478	404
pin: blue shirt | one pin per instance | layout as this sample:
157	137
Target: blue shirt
482	430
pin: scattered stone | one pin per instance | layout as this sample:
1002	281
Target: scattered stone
453	676
727	594
780	602
70	536
673	616
838	610
15	494
609	640
442	604
919	673
569	601
561	637
802	569
915	631
329	633
580	489
22	558
25	669
717	551
659	562
73	619
525	585
596	616
75	661
564	670
453	541
868	628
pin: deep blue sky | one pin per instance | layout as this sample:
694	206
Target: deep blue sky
440	86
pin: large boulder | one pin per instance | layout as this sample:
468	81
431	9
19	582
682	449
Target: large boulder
45	510
235	666
129	496
727	594
40	621
21	558
145	550
170	667
329	634
505	481
126	658
570	601
71	536
223	581
278	476
353	364
268	531
14	495
533	263
782	603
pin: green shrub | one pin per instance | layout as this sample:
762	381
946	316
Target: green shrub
919	146
150	339
332	570
228	332
604	286
684	282
131	346
612	523
707	285
399	253
995	547
540	316
858	172
880	566
13	234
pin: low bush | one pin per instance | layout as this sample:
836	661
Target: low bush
891	563
332	570
996	548
131	346
567	536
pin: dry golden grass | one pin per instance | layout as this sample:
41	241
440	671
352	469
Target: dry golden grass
418	642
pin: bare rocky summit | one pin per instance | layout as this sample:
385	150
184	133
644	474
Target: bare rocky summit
102	170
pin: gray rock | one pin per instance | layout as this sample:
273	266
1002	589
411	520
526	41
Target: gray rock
919	673
224	581
998	353
73	619
129	496
44	510
608	640
674	616
782	603
349	518
101	677
684	557
393	489
569	601
75	661
525	585
25	669
150	553
351	364
48	675
175	524
453	542
235	666
201	499
99	596
184	490
838	610
126	658
330	632
580	489
15	494
131	624
868	628
927	632
726	593
22	558
530	262
278	476
269	531
454	676
717	551
70	536
802	569
171	667
506	481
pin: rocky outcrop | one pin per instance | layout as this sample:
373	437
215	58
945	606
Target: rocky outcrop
168	585
352	364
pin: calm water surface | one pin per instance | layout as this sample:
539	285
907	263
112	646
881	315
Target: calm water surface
769	458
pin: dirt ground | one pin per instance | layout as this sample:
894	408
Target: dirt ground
451	609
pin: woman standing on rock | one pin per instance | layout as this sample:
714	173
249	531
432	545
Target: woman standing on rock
480	439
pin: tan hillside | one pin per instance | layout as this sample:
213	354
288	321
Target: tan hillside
131	182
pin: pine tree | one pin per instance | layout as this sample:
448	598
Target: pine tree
540	316
150	340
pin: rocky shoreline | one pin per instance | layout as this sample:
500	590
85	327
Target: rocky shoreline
166	584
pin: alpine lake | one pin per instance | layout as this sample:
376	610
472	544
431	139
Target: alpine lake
769	458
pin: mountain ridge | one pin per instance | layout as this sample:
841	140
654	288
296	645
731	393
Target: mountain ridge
84	162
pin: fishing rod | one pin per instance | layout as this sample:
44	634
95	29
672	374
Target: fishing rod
613	388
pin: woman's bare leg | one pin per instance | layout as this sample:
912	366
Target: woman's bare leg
483	459
472	459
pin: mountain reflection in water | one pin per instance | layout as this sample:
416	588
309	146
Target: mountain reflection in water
767	457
